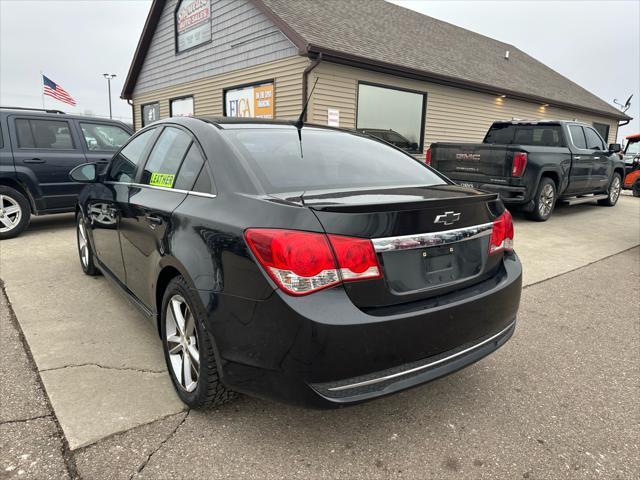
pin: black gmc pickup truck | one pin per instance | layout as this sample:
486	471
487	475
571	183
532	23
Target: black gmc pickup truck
532	164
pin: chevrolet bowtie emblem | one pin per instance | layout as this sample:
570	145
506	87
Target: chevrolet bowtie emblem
447	218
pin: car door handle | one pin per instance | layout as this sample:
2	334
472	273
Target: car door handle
577	158
154	220
34	160
102	161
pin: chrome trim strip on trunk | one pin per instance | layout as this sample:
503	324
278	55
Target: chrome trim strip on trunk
422	367
423	240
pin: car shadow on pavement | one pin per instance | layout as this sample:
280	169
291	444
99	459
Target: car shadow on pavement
49	222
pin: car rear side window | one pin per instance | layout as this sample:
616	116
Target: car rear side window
44	134
325	159
577	136
189	169
166	157
124	165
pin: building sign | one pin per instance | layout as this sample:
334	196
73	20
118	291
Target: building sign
255	101
181	107
333	117
193	23
150	113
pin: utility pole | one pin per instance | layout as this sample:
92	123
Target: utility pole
109	76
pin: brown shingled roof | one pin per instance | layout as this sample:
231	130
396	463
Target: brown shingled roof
377	34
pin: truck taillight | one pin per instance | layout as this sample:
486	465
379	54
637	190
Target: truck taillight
519	164
502	234
304	262
427	158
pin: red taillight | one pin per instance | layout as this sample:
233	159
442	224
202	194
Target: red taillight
356	258
502	234
304	262
427	158
519	164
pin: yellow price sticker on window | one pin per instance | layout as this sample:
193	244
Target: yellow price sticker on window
162	179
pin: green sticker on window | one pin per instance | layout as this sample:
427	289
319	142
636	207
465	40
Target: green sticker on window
162	179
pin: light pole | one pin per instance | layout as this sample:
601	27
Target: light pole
109	76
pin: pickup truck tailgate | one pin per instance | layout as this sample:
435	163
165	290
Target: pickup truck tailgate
475	162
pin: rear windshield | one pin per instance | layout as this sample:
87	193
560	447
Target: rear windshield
539	135
326	159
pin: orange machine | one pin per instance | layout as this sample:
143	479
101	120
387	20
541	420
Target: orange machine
632	164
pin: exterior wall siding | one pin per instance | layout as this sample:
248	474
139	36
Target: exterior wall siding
453	114
208	92
242	36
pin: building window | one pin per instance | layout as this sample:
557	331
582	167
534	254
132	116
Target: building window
394	115
192	24
150	113
252	101
181	107
602	129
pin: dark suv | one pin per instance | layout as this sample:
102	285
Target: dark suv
38	149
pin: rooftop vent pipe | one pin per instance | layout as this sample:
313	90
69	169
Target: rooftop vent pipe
506	55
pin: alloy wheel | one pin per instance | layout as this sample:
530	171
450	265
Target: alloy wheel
182	343
83	245
614	193
10	213
545	203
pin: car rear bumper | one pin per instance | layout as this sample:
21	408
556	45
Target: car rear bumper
321	350
508	194
515	195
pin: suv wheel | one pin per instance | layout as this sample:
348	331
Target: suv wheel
614	191
636	189
544	200
84	248
14	212
188	350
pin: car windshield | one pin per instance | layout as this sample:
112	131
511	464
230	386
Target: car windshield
632	148
330	159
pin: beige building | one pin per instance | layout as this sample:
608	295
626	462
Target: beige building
378	67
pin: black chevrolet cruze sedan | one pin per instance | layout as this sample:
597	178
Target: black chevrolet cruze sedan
306	264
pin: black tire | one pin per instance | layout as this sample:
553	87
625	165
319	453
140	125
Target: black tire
613	192
13	224
84	248
209	391
636	189
544	200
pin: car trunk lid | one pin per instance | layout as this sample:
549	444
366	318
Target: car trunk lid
428	240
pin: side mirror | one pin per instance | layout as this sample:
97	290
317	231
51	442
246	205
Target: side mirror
615	147
85	173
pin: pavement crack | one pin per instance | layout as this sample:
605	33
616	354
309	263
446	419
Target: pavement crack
24	420
142	466
93	364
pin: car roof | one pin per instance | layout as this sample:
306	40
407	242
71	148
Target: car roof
52	114
542	122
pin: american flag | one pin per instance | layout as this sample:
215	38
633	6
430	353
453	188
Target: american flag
54	90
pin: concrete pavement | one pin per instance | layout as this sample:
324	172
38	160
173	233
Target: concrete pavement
31	442
91	347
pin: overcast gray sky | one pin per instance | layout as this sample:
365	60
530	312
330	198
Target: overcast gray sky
594	43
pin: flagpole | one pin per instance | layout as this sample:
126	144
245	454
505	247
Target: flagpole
42	89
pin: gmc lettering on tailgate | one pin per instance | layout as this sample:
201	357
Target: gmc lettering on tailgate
467	156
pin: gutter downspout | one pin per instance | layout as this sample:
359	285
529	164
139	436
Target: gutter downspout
305	78
133	115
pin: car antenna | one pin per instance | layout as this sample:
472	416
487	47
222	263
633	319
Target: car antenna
300	122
